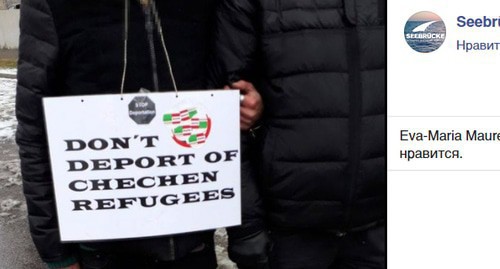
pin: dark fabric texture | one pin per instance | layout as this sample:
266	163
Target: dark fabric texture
322	250
203	259
251	202
250	252
320	67
76	48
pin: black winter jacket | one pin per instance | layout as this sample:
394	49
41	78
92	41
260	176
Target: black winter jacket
76	48
320	67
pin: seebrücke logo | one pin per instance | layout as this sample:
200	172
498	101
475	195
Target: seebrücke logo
425	31
189	127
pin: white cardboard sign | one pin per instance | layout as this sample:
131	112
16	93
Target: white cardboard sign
140	165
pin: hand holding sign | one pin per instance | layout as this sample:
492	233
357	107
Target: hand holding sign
251	105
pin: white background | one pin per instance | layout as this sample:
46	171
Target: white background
106	116
448	217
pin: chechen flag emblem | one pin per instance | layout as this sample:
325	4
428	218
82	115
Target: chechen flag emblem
189	129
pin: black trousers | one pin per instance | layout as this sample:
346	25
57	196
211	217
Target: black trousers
203	259
324	250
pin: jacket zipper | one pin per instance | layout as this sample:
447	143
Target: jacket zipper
172	248
382	11
355	104
280	14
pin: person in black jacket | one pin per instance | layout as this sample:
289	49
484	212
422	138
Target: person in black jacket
320	68
78	48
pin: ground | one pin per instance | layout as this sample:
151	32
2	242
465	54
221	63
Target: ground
16	248
8	58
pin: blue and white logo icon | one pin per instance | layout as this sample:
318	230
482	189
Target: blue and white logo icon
425	32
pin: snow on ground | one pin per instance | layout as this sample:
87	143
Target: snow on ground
8	71
7	103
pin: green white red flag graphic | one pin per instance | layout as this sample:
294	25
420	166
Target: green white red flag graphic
188	130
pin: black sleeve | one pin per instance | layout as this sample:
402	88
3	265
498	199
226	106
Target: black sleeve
234	58
251	202
235	42
38	50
